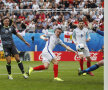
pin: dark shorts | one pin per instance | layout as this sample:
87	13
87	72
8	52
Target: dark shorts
8	51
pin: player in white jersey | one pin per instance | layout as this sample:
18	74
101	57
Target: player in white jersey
81	36
97	65
48	55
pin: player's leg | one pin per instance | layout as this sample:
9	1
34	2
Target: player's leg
55	69
8	66
81	61
46	62
41	67
89	64
87	55
38	68
81	56
92	68
8	59
20	65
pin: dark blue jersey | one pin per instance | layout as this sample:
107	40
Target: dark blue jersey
6	35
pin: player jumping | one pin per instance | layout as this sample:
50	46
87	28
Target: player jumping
48	55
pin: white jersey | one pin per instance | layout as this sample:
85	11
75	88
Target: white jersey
47	53
80	36
52	42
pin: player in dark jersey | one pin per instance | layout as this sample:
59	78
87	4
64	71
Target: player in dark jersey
6	31
97	65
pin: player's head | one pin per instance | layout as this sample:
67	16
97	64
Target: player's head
81	23
58	31
6	21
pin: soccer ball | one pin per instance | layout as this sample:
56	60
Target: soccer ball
80	47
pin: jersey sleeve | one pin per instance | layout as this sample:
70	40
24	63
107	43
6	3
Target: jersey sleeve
14	31
88	34
61	42
74	36
48	34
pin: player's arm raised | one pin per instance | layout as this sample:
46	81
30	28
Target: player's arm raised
44	37
19	36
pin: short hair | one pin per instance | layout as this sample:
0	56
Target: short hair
5	18
59	29
10	21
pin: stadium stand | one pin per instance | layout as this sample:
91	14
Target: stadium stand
35	15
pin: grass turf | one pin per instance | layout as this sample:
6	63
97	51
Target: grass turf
43	80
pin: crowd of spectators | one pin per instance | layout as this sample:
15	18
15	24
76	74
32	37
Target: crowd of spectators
25	14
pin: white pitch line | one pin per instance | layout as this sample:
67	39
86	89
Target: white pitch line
12	73
38	71
18	73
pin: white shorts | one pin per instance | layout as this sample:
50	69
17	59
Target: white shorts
47	56
85	52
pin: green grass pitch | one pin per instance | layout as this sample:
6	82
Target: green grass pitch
43	80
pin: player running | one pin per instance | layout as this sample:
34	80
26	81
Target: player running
48	55
96	66
79	37
6	31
